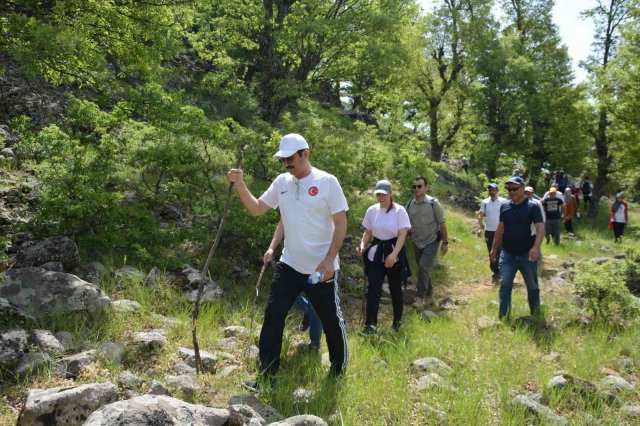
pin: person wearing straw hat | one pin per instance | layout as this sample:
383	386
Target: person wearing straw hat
313	211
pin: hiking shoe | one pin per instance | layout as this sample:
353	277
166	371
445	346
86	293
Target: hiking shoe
396	326
304	324
369	331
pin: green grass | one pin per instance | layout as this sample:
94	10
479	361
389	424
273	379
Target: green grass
488	366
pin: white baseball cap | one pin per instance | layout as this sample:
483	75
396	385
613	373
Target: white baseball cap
290	144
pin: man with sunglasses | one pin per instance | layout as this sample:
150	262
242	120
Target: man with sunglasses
520	249
428	230
313	213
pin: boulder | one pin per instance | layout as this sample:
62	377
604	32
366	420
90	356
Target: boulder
185	383
66	339
267	412
191	279
46	341
129	381
536	408
615	383
92	272
66	406
431	380
153	276
235	331
53	266
209	360
71	366
431	365
150	340
111	351
10	312
182	368
157	410
39	292
301	420
55	249
246	415
157	388
125	306
13	343
486	322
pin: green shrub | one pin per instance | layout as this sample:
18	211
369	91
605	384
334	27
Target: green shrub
605	294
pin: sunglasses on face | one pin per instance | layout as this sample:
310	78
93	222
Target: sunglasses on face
286	160
513	188
416	186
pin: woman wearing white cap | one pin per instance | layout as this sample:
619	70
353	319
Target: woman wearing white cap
618	216
384	255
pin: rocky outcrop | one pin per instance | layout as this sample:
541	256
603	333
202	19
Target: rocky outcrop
157	410
39	292
66	406
55	249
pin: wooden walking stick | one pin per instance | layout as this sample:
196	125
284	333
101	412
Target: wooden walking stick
214	246
255	299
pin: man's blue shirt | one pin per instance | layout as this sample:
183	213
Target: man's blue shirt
517	220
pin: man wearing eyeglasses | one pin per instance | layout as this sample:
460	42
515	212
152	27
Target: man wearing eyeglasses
313	212
428	230
520	249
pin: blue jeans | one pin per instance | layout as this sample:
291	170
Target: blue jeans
509	265
315	325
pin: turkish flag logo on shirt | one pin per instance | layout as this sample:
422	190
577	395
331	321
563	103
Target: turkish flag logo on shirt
313	191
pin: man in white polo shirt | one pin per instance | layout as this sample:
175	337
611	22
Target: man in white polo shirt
313	212
490	213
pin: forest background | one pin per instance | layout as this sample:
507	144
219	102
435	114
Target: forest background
109	98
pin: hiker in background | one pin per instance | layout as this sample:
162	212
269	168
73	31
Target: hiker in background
528	192
428	230
575	191
553	209
586	189
558	194
382	247
490	209
618	216
310	318
313	209
465	163
562	181
570	210
520	249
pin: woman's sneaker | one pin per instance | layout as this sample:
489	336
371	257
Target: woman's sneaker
369	331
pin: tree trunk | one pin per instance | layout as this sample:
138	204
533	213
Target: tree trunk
436	147
604	160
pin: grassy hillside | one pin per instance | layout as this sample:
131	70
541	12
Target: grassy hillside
489	365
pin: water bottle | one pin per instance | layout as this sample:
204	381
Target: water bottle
315	278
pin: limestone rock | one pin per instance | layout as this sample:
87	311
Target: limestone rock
431	365
128	380
209	360
55	249
111	351
301	420
71	366
46	341
182	368
616	383
32	363
9	312
153	276
486	322
268	413
150	340
212	291
13	343
157	388
302	395
66	406
235	331
538	409
249	416
39	292
157	410
125	306
185	383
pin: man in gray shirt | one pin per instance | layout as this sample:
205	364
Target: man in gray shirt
428	230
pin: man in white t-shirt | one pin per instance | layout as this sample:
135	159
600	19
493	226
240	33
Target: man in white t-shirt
313	212
490	213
